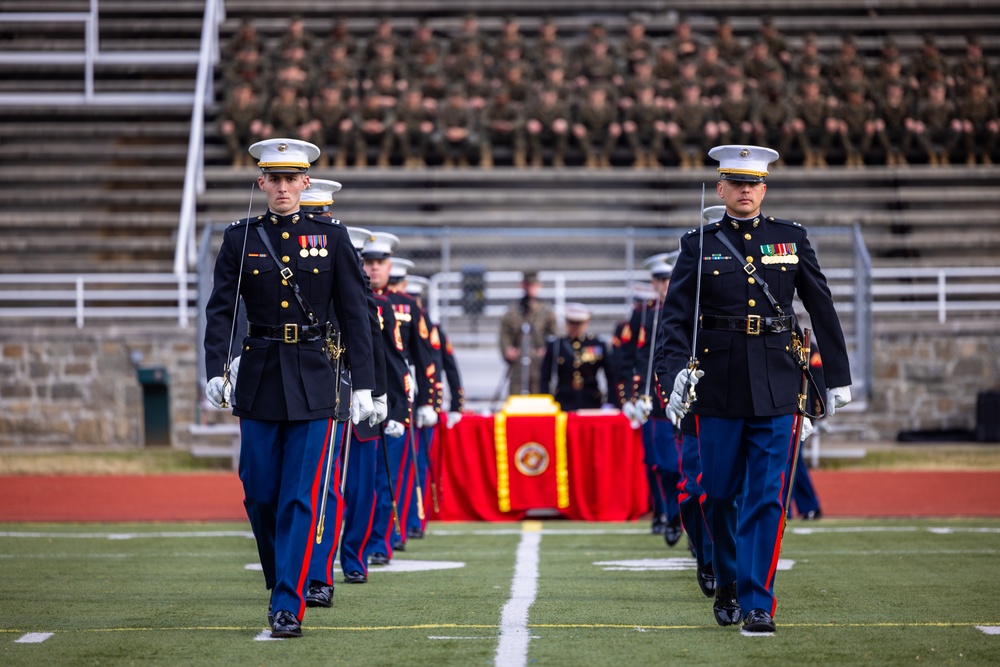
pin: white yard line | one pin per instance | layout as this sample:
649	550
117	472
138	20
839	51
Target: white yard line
33	638
512	646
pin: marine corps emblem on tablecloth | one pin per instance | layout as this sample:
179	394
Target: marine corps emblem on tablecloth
531	459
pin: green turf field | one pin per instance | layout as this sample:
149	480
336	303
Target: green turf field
857	592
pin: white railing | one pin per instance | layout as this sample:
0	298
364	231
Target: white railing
92	56
104	296
185	252
944	291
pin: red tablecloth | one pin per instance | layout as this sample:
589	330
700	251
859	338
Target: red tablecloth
606	478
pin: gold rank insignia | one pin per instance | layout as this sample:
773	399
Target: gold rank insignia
423	328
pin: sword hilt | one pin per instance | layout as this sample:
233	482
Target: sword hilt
690	395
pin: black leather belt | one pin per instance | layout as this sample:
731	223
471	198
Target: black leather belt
291	333
752	325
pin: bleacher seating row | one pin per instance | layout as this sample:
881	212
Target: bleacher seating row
99	188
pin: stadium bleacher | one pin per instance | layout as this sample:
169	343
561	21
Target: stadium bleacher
109	178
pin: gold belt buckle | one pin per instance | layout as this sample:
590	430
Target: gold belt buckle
291	333
753	325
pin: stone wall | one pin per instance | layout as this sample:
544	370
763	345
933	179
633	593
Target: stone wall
64	386
61	387
929	381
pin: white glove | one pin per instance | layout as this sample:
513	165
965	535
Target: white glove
628	409
216	392
381	408
837	397
454	418
362	406
394	429
643	408
411	388
426	416
679	404
807	429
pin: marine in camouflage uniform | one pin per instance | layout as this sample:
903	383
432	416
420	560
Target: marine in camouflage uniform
937	128
374	128
894	116
859	127
240	122
547	124
332	125
457	136
815	125
644	128
288	114
415	125
597	129
980	119
692	129
776	119
738	114
503	124
539	320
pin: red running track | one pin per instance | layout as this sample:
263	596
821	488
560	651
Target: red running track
219	496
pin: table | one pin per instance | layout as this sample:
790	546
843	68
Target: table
599	474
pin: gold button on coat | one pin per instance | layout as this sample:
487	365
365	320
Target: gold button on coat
284	304
747	236
284	235
749	259
751	280
751	303
255	271
285	259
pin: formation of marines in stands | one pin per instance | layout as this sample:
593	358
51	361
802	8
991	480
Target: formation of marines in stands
419	97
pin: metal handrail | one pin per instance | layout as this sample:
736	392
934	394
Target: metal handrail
91	56
185	252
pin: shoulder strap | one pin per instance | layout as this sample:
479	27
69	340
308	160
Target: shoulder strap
289	277
751	270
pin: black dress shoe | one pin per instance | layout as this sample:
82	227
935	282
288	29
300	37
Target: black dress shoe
319	595
706	579
812	515
673	531
378	559
285	625
399	545
758	622
355	578
659	524
727	605
414	533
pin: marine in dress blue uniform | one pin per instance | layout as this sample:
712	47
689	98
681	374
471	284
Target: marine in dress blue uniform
286	394
691	496
641	403
573	363
746	397
414	335
414	286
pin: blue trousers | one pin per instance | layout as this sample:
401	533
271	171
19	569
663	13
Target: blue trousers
748	457
691	497
282	465
354	522
381	537
424	437
321	564
359	496
662	468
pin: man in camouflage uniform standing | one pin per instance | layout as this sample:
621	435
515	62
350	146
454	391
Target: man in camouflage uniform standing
525	327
